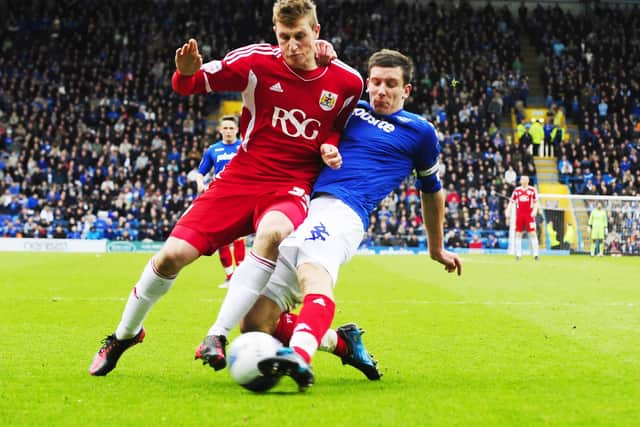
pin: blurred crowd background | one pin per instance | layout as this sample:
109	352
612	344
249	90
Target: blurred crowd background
94	144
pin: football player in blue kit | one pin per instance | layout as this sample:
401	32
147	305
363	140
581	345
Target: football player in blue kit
381	145
216	157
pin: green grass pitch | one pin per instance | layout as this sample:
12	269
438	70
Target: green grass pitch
554	342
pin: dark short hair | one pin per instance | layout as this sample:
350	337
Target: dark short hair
229	117
390	59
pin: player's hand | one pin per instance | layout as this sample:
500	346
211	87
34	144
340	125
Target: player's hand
450	261
188	58
331	156
201	188
325	53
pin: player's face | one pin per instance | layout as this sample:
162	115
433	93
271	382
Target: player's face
297	43
229	130
387	90
524	181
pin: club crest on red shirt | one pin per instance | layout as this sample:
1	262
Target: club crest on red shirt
328	100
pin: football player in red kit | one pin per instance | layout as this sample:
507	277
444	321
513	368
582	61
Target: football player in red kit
525	200
290	105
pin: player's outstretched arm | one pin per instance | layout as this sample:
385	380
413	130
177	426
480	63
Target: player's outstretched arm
188	58
433	216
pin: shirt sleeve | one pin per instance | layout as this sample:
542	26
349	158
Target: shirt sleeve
188	85
206	163
353	96
333	138
229	74
426	161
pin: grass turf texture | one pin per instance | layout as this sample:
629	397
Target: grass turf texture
554	342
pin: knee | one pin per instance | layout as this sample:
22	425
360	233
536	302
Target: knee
263	317
271	232
169	261
252	323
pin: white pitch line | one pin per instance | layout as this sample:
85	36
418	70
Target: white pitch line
506	303
360	302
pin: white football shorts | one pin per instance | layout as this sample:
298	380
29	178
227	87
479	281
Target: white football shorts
329	237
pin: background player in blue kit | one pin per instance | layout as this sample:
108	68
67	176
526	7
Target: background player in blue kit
216	158
381	145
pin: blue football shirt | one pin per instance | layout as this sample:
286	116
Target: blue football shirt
217	156
378	153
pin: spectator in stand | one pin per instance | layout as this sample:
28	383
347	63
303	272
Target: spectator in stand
454	239
510	176
565	167
492	242
475	242
453	198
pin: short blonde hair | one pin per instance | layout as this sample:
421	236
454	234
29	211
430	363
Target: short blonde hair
289	12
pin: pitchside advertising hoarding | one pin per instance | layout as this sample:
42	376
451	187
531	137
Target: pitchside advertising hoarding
74	245
114	246
51	245
118	246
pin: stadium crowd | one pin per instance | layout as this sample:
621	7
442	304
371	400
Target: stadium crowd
591	68
94	144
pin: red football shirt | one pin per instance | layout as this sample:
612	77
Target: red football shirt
524	199
286	115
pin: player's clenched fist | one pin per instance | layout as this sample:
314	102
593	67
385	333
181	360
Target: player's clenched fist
188	59
331	156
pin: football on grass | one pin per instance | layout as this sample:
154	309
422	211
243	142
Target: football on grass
244	354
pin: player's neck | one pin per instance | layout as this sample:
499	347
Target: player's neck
307	67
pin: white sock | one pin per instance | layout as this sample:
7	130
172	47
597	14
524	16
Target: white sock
245	287
150	287
518	245
533	239
305	341
329	341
